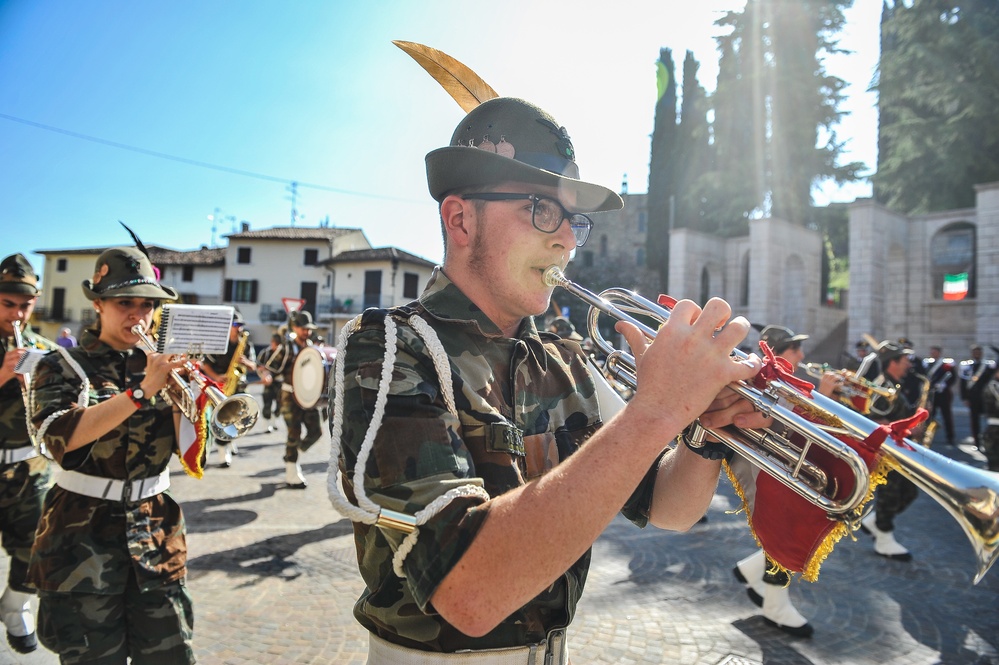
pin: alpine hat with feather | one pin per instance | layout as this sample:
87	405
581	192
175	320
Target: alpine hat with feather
125	272
509	139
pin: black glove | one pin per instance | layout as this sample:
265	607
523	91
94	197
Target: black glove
696	443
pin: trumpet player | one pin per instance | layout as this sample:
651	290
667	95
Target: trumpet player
110	554
894	360
219	368
767	586
24	474
517	475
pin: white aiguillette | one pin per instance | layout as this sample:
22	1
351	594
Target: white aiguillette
194	329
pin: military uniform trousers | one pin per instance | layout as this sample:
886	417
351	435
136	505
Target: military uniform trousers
990	443
295	417
272	399
892	498
151	628
23	486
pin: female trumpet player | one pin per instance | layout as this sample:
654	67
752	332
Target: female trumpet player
110	554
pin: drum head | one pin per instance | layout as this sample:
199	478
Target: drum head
309	375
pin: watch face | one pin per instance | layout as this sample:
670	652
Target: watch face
138	393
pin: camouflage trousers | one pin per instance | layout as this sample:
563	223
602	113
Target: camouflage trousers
151	628
22	491
892	498
990	446
295	417
272	399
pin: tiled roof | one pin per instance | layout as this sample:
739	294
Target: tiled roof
158	255
198	257
292	233
378	254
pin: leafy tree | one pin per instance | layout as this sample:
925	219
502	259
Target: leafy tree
662	167
938	97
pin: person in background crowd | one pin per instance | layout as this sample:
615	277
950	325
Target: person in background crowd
66	339
990	437
295	417
521	471
270	366
110	554
218	368
975	374
767	586
24	474
941	375
898	492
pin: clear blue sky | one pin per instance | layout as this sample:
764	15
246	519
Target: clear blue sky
314	91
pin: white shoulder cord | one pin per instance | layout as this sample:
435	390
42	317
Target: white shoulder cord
366	511
81	401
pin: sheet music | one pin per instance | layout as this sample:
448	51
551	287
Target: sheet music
195	329
30	358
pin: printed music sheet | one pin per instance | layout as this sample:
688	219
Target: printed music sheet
194	329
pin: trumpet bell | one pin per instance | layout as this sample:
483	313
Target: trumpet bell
234	416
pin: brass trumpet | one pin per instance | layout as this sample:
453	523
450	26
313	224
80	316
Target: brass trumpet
970	495
856	392
232	417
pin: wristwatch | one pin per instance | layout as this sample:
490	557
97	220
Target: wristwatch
138	396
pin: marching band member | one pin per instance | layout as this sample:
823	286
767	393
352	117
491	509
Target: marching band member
110	555
270	365
295	417
940	372
975	374
767	586
24	474
518	474
898	492
990	437
217	368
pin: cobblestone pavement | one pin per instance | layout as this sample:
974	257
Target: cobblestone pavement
274	578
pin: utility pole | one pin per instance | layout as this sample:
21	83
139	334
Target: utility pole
293	188
214	219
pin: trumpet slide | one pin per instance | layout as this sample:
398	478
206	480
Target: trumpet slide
232	416
970	495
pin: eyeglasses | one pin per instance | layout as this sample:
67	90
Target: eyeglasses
546	213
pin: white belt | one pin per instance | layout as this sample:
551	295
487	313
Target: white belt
15	455
287	387
111	489
552	651
992	421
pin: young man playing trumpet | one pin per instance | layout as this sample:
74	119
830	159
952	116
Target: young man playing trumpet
24	474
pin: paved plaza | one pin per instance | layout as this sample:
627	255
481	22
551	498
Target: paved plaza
274	579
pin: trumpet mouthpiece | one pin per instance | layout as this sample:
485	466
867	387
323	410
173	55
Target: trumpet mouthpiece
554	276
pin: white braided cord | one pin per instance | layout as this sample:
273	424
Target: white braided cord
81	401
366	511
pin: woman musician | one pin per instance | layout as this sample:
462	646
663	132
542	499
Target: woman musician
110	555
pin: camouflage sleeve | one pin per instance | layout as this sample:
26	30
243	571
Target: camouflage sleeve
418	455
56	388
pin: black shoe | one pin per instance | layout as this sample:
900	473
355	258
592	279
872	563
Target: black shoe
755	597
24	644
795	631
296	486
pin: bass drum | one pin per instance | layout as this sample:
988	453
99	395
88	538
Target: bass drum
310	375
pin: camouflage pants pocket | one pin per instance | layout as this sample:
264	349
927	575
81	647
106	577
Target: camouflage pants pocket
65	623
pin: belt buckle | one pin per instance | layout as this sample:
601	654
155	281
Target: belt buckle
555	646
126	490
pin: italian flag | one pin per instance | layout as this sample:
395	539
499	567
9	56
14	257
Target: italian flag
955	287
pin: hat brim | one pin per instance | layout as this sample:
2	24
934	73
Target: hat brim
455	167
20	289
132	291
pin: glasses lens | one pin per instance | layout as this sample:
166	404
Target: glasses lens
580	225
547	215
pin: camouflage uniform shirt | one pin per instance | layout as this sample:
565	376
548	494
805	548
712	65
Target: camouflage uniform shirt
89	545
524	405
13	425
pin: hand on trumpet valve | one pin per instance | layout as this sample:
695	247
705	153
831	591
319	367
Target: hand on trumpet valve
689	362
831	384
10	360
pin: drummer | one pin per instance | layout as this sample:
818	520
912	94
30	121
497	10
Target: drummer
295	417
